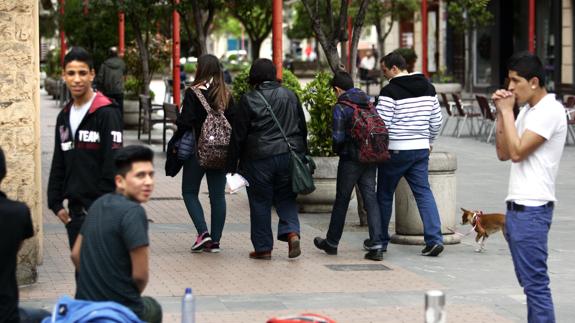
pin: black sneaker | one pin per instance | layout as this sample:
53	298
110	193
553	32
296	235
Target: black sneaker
368	246
323	245
432	251
376	255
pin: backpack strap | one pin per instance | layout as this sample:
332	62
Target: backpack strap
202	99
269	108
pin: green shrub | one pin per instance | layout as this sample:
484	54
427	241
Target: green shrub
442	76
53	67
318	98
240	83
190	68
132	88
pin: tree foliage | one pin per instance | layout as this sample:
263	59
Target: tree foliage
197	17
464	15
96	34
256	17
329	24
143	17
384	13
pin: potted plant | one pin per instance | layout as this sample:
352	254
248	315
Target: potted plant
131	103
318	99
445	82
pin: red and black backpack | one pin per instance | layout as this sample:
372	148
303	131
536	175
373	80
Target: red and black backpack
369	134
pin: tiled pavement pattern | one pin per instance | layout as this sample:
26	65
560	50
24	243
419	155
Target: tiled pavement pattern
232	288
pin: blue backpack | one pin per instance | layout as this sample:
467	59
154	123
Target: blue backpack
70	310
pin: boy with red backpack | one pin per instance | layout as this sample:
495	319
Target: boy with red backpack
360	140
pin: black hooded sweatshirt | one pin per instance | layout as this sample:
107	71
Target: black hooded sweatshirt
83	166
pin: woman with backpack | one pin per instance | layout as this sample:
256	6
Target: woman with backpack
206	112
263	154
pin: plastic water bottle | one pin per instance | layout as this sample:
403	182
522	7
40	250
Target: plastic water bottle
434	307
188	307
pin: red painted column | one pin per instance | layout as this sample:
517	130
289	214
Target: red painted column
176	55
277	33
532	26
85	4
62	35
121	34
424	53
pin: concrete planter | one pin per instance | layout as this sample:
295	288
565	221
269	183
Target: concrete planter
408	225
321	200
131	114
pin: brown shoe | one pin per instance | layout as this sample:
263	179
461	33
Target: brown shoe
293	244
261	255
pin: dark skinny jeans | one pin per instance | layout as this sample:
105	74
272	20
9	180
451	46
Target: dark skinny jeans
191	180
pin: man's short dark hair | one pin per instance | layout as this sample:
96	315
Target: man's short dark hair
342	80
394	59
528	66
79	54
262	70
128	155
2	165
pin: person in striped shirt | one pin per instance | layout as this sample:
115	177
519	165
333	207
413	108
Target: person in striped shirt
411	111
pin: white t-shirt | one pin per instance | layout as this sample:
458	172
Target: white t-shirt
77	113
532	181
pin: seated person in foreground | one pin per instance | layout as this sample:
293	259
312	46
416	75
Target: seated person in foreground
15	227
112	250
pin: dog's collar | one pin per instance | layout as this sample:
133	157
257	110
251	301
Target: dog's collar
476	220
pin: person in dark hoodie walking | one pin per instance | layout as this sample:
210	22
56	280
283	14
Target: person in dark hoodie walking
110	78
88	132
411	111
350	171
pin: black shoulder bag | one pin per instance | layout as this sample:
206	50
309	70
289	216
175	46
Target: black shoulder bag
301	170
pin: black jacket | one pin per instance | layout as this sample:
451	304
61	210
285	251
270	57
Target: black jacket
83	169
255	134
193	113
110	78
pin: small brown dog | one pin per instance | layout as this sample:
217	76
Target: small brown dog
483	224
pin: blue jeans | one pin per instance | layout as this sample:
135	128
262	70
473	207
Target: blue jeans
413	165
526	233
191	180
348	174
270	185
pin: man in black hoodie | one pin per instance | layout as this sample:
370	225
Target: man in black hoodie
409	107
110	78
350	171
88	132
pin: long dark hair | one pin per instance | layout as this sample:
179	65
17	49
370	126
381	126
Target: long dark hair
210	71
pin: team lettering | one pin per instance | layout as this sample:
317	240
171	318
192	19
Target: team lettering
117	136
89	136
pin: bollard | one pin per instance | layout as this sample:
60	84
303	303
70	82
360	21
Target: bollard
434	306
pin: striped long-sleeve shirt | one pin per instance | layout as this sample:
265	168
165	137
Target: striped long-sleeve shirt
411	111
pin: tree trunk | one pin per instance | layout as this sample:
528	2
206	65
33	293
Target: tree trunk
256	45
198	24
357	24
144	56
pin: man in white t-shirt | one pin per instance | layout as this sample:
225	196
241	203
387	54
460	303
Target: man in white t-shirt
534	143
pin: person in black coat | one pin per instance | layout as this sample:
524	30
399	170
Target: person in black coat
259	152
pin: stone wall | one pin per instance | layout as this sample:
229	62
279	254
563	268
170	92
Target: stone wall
20	119
567	42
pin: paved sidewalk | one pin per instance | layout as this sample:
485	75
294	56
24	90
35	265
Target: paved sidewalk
232	288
